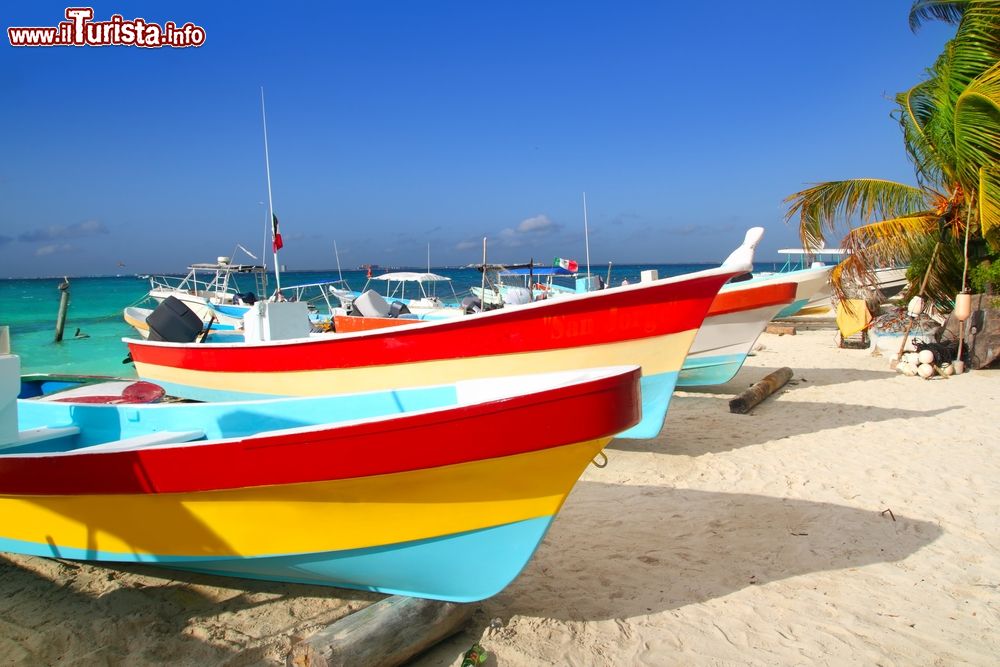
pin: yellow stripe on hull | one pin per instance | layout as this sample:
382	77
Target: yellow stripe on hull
306	518
660	354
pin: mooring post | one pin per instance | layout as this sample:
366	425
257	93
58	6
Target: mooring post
63	306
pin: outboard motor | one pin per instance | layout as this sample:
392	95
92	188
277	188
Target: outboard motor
471	304
517	296
396	309
174	322
249	298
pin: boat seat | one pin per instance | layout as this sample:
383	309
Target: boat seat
41	434
145	440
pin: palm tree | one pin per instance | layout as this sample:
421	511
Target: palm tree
951	130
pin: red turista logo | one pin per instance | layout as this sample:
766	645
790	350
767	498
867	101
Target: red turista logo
79	29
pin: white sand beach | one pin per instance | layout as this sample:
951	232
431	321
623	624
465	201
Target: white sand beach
850	519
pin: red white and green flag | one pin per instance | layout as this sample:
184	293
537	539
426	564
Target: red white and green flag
275	234
568	264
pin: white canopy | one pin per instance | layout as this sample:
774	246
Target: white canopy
411	276
818	251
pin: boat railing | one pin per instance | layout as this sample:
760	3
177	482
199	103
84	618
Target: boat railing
215	281
326	295
424	293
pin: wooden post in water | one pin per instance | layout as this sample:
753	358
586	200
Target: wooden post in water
63	307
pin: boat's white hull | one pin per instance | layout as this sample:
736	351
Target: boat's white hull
722	345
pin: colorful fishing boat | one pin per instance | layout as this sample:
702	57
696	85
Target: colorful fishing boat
735	320
441	492
887	281
649	324
217	331
812	292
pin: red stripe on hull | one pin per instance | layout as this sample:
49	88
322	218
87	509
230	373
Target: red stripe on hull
531	422
736	300
595	318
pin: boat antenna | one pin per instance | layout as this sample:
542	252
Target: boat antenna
586	232
336	254
263	253
482	286
270	200
428	258
607	283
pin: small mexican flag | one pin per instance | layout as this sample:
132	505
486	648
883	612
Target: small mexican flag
276	235
568	264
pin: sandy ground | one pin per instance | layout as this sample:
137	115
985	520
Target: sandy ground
850	519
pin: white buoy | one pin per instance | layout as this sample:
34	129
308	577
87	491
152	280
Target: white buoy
925	371
925	357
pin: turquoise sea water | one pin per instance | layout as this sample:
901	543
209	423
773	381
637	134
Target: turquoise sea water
29	308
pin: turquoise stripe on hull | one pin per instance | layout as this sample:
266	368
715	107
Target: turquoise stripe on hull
792	308
406	400
464	567
703	371
224	420
656	393
232	311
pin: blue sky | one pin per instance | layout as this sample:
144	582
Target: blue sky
397	124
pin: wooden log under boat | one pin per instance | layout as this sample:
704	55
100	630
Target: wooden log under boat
387	633
758	391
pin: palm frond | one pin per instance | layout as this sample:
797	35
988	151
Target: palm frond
949	11
944	279
989	206
917	114
883	243
976	45
927	113
820	207
977	128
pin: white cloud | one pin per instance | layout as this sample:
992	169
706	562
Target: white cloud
540	224
527	231
52	249
56	232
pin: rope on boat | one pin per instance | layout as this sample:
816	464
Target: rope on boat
601	455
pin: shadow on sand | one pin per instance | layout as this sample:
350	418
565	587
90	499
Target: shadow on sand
143	614
619	551
804	377
686	431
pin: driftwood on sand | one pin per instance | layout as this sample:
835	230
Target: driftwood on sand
387	633
760	390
